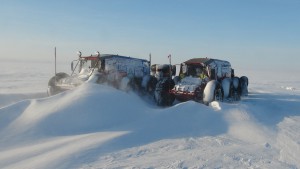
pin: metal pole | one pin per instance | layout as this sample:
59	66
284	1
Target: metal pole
150	63
55	59
55	63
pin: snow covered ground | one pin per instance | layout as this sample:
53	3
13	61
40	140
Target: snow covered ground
96	126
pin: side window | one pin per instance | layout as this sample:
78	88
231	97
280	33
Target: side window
184	68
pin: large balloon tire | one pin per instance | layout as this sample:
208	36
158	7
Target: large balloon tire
235	89
52	88
151	84
213	92
57	77
162	95
164	99
244	81
219	93
226	84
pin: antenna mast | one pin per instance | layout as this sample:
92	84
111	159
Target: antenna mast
55	59
55	63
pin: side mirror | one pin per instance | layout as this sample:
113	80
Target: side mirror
184	67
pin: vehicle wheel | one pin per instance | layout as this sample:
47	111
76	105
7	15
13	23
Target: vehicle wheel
212	91
199	93
163	98
52	87
57	77
170	99
135	85
125	84
161	95
218	93
235	94
243	82
226	85
50	91
101	78
151	84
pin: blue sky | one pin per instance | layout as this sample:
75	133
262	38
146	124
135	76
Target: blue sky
248	33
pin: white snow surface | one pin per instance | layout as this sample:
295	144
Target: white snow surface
96	126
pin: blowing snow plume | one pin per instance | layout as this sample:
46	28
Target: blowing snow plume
97	126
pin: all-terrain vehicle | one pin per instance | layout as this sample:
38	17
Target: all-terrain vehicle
121	72
200	79
205	80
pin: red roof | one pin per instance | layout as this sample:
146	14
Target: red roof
197	60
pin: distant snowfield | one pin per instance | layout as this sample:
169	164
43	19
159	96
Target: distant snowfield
96	126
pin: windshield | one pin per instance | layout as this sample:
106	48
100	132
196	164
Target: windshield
194	70
88	64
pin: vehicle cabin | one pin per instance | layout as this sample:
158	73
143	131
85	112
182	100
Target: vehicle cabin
213	68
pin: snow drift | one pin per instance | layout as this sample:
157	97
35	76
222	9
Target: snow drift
96	126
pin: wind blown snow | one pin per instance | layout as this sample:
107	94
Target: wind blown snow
97	126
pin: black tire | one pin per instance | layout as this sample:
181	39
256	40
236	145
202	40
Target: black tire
151	85
101	78
164	98
245	80
213	91
135	84
57	77
235	93
52	88
243	83
226	85
162	95
199	93
218	93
